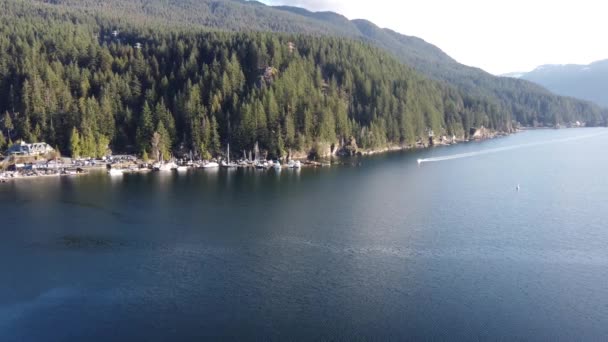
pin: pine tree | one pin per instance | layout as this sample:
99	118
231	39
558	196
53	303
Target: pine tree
205	155
26	129
102	146
7	123
155	144
88	144
290	130
144	128
280	149
2	142
162	140
75	148
214	143
162	114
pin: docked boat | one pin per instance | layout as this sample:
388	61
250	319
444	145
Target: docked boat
210	165
164	166
294	164
226	163
277	165
261	165
116	172
182	168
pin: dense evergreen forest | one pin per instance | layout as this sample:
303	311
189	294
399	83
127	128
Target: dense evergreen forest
82	81
528	103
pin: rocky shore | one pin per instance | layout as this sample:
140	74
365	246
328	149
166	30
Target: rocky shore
320	155
351	148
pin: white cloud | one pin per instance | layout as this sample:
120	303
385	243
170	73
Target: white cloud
498	36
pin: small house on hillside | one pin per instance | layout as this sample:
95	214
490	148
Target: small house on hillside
24	149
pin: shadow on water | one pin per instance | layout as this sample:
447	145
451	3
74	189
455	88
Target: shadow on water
89	242
81	243
120	217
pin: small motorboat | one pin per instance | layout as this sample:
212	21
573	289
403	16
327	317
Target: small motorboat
294	164
164	166
210	165
116	172
261	165
182	168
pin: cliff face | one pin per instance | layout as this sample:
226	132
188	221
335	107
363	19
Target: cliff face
482	133
324	150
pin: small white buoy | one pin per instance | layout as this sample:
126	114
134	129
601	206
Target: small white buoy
517	187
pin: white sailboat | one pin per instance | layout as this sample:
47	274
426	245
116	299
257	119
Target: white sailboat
190	162
162	166
259	164
277	165
256	150
228	164
210	165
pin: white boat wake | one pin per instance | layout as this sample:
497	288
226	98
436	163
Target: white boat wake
502	149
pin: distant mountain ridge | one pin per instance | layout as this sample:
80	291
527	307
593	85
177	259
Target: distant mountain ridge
589	82
524	101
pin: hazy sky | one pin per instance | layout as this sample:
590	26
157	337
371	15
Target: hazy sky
498	36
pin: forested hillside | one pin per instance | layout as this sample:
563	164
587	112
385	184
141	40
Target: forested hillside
67	78
527	102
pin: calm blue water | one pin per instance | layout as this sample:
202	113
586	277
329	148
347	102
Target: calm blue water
380	250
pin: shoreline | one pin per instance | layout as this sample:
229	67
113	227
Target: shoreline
491	136
326	161
397	148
